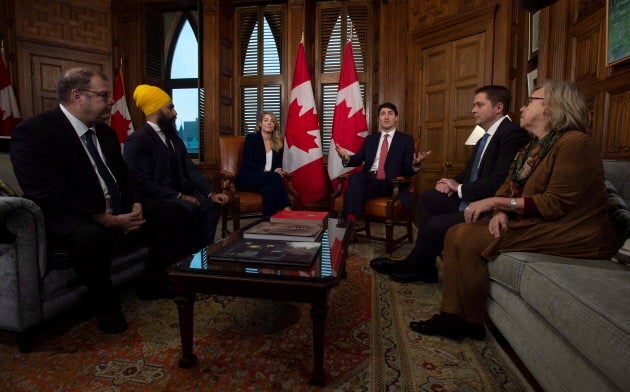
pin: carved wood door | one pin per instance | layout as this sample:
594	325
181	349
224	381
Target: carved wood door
450	74
47	63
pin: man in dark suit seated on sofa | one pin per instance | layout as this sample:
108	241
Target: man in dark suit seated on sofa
386	155
163	171
68	161
442	207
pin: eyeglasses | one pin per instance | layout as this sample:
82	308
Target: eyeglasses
530	99
105	95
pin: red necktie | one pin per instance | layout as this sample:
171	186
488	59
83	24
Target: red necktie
380	172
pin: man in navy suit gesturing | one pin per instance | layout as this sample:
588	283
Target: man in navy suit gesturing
387	154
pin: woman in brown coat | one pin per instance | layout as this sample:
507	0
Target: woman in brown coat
553	202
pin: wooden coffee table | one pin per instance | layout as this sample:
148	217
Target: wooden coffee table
200	274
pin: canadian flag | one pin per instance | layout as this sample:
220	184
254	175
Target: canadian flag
9	112
303	155
349	127
120	120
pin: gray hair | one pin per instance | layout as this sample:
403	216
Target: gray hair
565	105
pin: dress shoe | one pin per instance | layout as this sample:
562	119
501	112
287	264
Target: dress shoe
408	277
449	326
113	322
384	265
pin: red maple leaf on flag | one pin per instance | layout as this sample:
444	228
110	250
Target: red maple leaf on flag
348	128
301	125
120	124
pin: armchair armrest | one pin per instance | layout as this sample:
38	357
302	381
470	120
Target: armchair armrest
23	262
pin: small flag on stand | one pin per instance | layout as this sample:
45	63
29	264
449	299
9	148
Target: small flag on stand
303	155
120	120
9	112
349	127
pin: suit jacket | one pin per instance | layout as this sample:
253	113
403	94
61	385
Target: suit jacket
399	156
254	157
54	170
149	163
495	163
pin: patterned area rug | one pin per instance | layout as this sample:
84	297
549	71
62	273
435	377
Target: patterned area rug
257	345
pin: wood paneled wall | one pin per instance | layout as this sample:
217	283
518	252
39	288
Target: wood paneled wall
573	39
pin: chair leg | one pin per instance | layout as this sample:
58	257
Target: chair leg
389	236
368	232
410	230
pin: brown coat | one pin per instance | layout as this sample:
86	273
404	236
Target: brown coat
568	190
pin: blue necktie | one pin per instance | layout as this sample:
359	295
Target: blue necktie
103	171
474	173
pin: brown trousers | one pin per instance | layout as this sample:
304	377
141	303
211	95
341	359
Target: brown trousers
465	270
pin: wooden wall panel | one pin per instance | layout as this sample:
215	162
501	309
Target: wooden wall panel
618	125
84	24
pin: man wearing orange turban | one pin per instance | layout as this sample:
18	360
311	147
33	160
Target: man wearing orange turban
158	159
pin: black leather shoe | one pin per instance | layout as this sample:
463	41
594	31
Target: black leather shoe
404	277
384	265
449	326
112	322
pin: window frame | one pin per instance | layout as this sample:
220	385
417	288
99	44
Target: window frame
260	81
185	83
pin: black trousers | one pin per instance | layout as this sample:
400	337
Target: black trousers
437	212
168	230
363	187
202	219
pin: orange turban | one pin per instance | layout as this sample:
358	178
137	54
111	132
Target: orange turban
150	99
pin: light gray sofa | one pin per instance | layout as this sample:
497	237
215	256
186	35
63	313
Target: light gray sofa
568	320
33	288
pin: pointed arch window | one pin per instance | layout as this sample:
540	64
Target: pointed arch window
182	76
261	62
339	22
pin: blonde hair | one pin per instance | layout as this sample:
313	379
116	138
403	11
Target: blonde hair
565	105
276	137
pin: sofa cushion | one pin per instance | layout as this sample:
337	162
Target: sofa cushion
6	190
618	212
617	173
507	268
590	307
623	254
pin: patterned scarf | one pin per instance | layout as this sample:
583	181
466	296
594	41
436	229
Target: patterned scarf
528	158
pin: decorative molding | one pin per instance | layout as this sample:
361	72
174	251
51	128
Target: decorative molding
436	31
79	23
588	7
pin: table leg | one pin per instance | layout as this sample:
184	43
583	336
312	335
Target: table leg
319	310
185	304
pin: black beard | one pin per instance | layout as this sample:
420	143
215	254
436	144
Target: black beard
165	123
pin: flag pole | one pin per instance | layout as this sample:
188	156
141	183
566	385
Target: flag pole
351	31
4	60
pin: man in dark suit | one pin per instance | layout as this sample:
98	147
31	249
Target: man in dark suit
442	207
69	162
385	155
163	171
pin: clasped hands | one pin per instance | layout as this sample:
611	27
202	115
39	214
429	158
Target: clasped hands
219	198
126	223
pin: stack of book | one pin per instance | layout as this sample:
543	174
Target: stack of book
304	226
